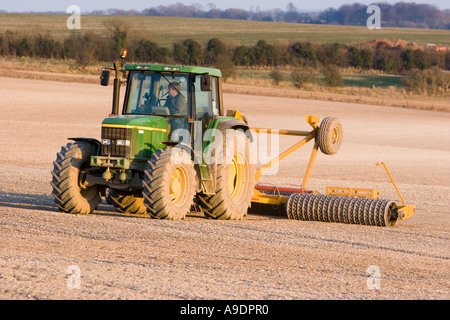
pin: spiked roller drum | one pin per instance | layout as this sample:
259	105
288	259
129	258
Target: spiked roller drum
352	210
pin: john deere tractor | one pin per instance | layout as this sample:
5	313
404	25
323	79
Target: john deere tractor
170	149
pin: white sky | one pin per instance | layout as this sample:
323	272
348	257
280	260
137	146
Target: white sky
90	5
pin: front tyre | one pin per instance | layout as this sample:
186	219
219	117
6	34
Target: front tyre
68	177
169	184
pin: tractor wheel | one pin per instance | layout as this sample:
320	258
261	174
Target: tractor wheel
169	184
235	181
126	201
330	135
68	176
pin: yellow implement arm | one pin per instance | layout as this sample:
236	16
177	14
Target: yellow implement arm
404	211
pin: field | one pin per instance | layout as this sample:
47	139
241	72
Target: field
262	257
167	30
349	79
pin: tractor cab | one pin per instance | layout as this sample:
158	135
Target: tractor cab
184	96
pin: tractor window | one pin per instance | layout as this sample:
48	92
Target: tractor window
202	101
215	97
139	87
157	94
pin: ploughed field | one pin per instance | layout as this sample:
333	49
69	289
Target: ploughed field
262	257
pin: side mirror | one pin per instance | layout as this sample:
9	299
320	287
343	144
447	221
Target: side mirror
104	78
206	82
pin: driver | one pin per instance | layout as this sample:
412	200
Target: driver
176	102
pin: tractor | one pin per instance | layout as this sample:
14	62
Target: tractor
170	149
173	149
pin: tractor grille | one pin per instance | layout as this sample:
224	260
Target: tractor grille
113	149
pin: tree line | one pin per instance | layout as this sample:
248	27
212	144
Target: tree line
302	58
86	48
401	14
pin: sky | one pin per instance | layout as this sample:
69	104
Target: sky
90	5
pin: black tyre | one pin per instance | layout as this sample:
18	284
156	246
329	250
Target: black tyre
126	201
169	184
235	181
330	135
68	177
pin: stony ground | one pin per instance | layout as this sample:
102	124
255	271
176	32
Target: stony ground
46	254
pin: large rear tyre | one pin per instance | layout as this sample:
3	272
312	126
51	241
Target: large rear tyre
330	135
68	177
235	181
126	201
169	184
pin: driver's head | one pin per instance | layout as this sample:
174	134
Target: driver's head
174	88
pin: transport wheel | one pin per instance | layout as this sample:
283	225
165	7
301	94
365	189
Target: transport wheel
126	201
235	181
330	135
68	177
169	184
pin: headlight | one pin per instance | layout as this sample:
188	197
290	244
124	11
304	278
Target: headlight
106	142
123	143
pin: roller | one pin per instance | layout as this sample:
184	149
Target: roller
342	209
274	209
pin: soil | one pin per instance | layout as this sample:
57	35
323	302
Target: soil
47	254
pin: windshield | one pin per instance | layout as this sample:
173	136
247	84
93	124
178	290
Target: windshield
158	94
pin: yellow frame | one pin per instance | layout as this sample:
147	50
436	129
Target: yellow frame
404	211
275	199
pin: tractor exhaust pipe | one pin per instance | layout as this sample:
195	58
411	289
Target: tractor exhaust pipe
116	91
116	87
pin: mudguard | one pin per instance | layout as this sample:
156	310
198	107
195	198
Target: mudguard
95	142
233	123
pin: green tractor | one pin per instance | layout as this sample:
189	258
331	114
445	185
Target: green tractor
170	150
